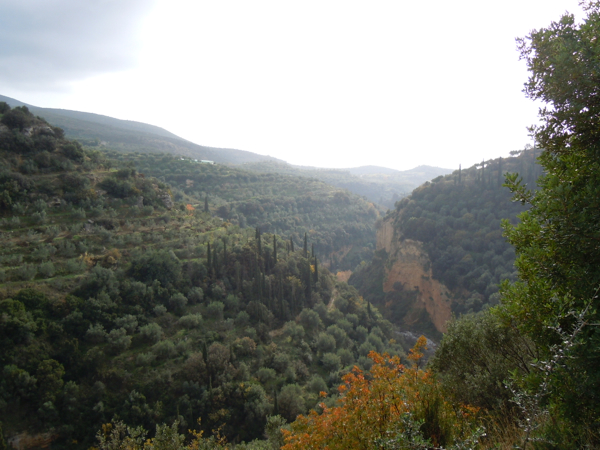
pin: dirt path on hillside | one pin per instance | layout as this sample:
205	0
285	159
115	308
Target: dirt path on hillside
334	296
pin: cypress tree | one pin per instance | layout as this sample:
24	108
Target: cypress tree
305	250
312	250
238	276
3	445
206	203
204	353
483	172
308	280
292	244
215	262
208	256
316	270
258	242
500	172
274	250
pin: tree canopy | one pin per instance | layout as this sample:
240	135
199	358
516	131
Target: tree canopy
558	240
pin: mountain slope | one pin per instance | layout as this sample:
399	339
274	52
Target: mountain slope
119	298
441	250
125	135
378	184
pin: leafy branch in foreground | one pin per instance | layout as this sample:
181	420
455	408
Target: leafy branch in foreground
393	406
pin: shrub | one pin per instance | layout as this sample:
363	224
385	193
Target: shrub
316	384
291	402
118	340
46	269
331	362
151	332
145	359
177	303
244	347
293	330
215	310
242	319
280	362
190	321
159	310
129	322
325	343
26	272
96	334
400	406
265	374
346	357
195	295
164	349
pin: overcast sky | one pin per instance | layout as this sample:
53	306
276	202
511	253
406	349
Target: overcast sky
323	83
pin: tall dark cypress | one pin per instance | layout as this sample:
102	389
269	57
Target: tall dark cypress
215	258
204	352
316	270
238	276
258	242
312	250
292	244
308	280
500	172
483	172
208	256
305	250
206	203
274	250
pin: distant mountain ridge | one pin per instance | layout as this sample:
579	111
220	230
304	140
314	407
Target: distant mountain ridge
380	185
126	135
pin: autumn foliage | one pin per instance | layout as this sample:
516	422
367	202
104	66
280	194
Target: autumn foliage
390	406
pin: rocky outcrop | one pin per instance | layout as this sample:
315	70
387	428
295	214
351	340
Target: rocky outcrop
409	265
167	200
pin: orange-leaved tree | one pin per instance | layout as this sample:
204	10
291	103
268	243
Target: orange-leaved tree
394	406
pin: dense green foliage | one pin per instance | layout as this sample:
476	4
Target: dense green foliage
379	185
458	219
117	302
557	242
338	223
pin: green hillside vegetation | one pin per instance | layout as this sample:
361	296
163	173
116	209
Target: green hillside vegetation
130	312
458	218
118	301
104	132
377	184
340	225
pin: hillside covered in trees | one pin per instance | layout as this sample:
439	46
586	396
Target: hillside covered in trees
379	185
340	225
130	312
103	132
457	218
121	299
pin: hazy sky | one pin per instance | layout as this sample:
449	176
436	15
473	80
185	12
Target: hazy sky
324	83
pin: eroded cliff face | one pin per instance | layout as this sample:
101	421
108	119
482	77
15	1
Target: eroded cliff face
409	264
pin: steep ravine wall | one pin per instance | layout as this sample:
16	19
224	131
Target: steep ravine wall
409	264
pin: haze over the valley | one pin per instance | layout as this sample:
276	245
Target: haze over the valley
328	84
